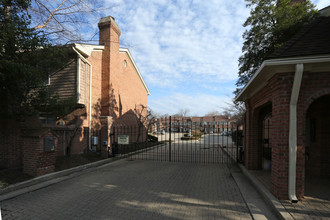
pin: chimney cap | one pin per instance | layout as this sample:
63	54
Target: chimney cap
106	19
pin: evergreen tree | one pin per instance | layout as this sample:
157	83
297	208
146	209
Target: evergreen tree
26	59
271	23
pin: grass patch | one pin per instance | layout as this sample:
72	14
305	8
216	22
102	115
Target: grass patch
195	135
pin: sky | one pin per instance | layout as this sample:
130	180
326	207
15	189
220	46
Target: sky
186	50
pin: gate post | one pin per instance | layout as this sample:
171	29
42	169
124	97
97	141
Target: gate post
169	154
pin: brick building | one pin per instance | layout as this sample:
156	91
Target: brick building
208	124
106	88
287	111
106	83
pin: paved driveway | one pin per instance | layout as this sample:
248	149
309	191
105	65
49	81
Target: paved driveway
136	190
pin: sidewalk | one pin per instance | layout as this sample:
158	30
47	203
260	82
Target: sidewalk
315	204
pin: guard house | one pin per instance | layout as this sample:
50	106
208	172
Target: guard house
287	117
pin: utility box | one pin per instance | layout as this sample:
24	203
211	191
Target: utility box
49	144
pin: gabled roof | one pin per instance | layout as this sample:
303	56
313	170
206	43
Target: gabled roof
314	39
310	46
125	50
86	50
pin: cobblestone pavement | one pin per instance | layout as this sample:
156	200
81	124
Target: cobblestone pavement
190	152
136	190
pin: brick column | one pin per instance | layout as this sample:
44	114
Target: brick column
36	160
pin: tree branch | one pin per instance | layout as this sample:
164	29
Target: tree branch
50	16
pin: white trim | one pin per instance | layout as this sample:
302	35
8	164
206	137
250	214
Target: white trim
78	79
86	49
293	132
90	99
47	83
283	61
125	50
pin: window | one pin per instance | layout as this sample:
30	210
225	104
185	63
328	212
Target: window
47	80
47	119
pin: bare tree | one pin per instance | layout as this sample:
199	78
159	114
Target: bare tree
235	110
146	118
182	112
63	21
212	113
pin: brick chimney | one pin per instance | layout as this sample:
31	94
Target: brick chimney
109	36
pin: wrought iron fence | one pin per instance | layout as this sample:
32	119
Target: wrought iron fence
177	139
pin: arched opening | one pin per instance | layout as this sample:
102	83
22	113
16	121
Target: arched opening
260	146
266	142
317	163
264	137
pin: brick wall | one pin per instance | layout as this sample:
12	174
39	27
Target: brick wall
278	93
122	89
318	139
36	161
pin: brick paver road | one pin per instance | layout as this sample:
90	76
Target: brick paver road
136	190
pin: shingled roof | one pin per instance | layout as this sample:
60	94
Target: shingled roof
313	39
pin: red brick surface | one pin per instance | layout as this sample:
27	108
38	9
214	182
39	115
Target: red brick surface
277	94
36	161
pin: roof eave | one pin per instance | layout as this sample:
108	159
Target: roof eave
287	63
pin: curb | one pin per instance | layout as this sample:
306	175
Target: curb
270	200
49	179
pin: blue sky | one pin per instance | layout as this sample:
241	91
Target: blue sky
186	50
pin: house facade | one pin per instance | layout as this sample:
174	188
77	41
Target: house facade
106	83
287	112
106	88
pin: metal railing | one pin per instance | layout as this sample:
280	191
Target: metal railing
178	140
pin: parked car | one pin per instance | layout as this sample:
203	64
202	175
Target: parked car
159	132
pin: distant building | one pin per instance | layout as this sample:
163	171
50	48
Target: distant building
207	124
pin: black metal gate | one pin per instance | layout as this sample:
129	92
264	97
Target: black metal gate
179	139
